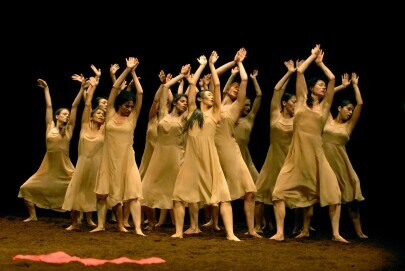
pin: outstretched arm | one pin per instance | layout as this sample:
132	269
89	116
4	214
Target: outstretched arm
216	84
48	103
93	82
359	103
192	81
301	86
231	78
75	104
330	89
258	98
345	82
139	91
279	88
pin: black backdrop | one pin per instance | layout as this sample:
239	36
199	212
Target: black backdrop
55	45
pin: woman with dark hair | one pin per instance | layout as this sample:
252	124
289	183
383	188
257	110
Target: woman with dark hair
201	179
47	187
281	128
306	178
336	135
80	196
118	177
240	182
160	176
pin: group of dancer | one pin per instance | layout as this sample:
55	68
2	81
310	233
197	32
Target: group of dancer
197	151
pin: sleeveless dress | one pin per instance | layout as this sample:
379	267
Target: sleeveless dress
119	175
46	188
243	129
306	177
201	178
335	138
160	177
234	167
281	131
150	142
80	194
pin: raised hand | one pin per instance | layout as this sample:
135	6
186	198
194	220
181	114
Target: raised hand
96	71
254	74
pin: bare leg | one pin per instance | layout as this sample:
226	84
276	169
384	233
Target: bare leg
117	209
113	218
162	218
150	216
208	216
89	219
354	214
172	217
126	214
298	220
101	213
215	218
249	207
135	208
179	211
259	210
227	218
279	213
267	214
334	215
74	218
307	214
79	217
31	211
193	212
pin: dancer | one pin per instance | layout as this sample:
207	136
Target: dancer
201	179
336	135
47	187
118	177
306	177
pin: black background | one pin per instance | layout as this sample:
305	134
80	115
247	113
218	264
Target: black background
53	43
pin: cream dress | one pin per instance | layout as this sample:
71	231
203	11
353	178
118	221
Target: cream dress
150	142
306	177
158	182
235	169
119	175
80	194
281	131
243	129
335	138
47	187
201	179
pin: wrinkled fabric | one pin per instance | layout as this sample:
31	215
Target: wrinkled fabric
61	257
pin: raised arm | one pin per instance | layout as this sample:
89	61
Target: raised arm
192	81
216	84
330	89
166	87
113	70
301	89
345	83
116	88
139	91
73	111
93	82
279	89
258	98
359	103
239	103
231	78
48	103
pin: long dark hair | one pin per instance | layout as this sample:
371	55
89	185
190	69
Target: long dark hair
123	97
62	128
197	114
310	84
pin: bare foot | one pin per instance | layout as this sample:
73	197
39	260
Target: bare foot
177	235
139	232
253	234
233	238
208	224
72	228
277	237
259	229
127	225
149	228
91	223
98	229
192	231
302	235
216	228
340	239
362	235
31	219
122	229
